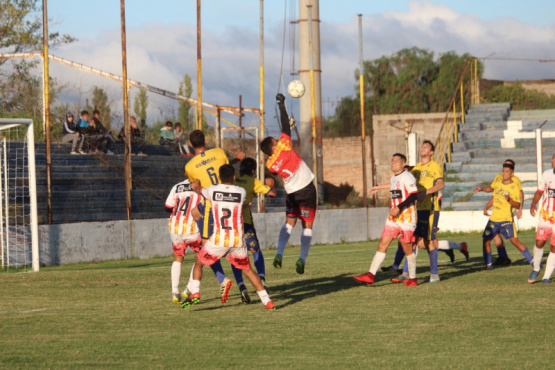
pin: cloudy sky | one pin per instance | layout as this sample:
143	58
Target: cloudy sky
161	39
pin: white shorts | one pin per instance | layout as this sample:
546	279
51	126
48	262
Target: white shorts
238	257
180	243
405	229
544	231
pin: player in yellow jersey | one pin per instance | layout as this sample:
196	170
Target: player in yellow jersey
204	166
252	185
506	197
503	258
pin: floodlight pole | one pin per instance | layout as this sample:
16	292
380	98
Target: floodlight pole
260	163
126	127
46	102
362	123
199	71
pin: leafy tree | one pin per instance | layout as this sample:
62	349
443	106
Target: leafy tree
519	97
184	113
409	81
101	103
141	105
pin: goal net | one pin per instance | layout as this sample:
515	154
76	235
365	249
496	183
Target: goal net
18	209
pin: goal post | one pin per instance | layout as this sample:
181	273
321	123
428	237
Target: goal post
18	194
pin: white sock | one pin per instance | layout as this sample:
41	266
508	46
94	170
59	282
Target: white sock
194	286
284	235
264	297
446	245
537	260
176	274
306	239
411	260
549	265
377	262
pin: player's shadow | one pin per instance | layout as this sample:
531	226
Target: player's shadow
296	291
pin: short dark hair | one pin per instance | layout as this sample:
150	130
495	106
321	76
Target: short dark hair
511	162
197	139
96	112
508	165
266	145
247	166
83	112
226	173
169	123
430	144
402	156
177	124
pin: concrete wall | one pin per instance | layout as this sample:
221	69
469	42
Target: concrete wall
343	156
99	241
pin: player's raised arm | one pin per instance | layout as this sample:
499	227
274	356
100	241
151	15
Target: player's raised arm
283	116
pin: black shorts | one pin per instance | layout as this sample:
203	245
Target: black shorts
302	203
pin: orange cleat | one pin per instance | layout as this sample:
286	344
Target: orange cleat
367	278
411	282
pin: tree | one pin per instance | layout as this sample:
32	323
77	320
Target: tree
141	105
519	97
101	103
409	81
184	114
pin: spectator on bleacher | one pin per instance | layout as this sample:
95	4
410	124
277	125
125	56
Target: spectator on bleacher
181	140
100	139
167	138
70	133
83	127
137	140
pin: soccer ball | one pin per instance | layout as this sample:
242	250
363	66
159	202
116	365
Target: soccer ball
296	89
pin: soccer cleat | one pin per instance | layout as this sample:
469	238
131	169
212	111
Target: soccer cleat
502	262
177	298
400	279
225	286
270	306
545	281
244	294
186	293
389	268
464	250
277	261
367	278
533	276
280	98
300	266
451	255
434	278
411	282
192	299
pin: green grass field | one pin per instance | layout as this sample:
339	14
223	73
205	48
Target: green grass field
119	314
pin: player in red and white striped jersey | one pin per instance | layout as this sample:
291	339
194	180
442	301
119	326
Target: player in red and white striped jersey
546	224
400	221
301	199
183	229
227	239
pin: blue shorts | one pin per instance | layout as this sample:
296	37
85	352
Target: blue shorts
426	226
206	223
251	240
506	228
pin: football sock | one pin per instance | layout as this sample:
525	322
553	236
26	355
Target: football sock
502	252
487	258
194	286
549	265
446	245
259	263
376	262
538	254
411	262
264	297
527	255
218	270
405	266
433	261
306	239
284	235
398	256
238	275
176	274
